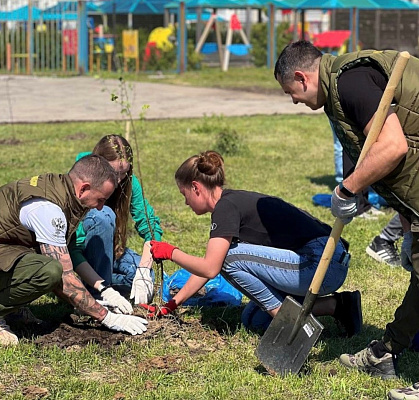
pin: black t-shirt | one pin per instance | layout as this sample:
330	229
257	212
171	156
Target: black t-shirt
264	220
360	91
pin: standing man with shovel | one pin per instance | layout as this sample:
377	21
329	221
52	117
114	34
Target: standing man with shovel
349	87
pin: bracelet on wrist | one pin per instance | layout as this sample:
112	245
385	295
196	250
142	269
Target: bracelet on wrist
102	288
345	190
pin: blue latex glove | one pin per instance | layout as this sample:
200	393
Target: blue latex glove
344	209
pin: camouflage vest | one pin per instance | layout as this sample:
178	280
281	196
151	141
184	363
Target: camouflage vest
401	187
15	239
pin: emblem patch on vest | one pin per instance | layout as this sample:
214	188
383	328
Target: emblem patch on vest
34	180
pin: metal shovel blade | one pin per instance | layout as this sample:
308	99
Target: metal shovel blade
274	352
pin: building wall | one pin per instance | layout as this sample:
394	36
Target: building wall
384	29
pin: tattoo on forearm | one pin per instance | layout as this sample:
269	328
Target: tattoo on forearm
72	289
58	253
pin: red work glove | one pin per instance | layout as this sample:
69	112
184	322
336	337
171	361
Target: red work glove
161	250
154	311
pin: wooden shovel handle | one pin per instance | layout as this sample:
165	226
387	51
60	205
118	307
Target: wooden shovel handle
377	125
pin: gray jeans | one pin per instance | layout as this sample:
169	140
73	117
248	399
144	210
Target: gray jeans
393	231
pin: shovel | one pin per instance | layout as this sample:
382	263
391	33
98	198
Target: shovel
289	338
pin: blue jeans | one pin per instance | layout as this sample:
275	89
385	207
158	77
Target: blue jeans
99	227
266	275
338	157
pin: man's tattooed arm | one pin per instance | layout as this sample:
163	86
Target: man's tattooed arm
71	288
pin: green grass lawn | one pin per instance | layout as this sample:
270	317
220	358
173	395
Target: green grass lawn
287	156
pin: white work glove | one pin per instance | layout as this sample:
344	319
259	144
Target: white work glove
406	251
125	323
117	301
344	209
142	286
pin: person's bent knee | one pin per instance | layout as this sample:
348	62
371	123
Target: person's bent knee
105	216
50	275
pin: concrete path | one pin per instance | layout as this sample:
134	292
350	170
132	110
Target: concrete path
41	99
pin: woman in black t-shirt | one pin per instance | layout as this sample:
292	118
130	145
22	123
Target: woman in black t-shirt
265	247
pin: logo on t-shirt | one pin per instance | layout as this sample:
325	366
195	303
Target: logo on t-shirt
59	226
213	226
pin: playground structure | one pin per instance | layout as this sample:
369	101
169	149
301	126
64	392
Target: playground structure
234	25
57	38
237	49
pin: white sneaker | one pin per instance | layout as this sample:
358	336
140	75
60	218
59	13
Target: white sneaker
409	393
7	337
371	214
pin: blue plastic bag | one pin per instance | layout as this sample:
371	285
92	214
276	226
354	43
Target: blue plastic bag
217	291
325	200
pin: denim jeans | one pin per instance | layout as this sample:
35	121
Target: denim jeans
338	157
266	275
99	227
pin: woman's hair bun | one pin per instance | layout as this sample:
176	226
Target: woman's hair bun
209	162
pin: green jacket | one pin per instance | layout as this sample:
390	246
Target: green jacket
401	187
15	239
138	215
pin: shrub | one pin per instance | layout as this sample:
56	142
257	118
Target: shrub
259	41
229	142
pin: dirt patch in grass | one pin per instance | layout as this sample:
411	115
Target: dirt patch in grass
10	142
75	332
77	136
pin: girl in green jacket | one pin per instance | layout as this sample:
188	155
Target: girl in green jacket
100	256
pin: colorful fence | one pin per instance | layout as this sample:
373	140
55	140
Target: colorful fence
41	40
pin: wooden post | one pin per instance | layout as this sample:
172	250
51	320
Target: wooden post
63	57
377	29
204	35
229	38
98	63
353	29
90	50
109	62
219	41
127	129
199	23
248	21
182	40
29	32
8	57
295	33
303	22
271	55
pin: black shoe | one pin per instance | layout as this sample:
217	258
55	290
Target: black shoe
384	251
348	313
